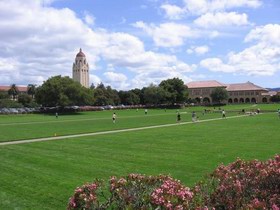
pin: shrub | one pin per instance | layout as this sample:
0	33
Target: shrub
134	191
240	185
7	103
88	197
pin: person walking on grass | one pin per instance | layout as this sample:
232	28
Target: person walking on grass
193	116
223	114
114	117
56	115
279	113
178	117
146	111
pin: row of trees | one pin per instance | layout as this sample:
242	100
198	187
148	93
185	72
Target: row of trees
63	91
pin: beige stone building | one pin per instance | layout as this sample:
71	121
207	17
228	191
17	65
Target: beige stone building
246	93
238	93
81	69
200	90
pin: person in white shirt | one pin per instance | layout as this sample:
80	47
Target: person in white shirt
223	114
114	117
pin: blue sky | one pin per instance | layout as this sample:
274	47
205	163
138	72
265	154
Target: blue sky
133	43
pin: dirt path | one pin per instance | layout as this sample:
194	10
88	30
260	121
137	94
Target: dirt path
110	132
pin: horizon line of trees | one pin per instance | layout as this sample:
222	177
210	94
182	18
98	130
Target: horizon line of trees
63	91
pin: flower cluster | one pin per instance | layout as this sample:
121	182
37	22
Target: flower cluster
242	185
239	185
171	195
133	191
86	197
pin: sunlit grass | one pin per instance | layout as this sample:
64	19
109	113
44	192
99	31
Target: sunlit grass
43	175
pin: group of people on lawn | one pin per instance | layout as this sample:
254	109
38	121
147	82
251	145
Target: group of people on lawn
194	117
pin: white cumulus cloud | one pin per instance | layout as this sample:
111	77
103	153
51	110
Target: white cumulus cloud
173	12
198	50
269	34
168	34
261	58
115	77
89	18
39	41
221	19
199	7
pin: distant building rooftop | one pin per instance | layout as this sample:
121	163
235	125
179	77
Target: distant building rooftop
205	84
244	86
7	87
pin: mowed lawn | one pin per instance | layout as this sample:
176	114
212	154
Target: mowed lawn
43	175
18	127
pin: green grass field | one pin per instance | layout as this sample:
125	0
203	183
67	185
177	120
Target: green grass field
43	175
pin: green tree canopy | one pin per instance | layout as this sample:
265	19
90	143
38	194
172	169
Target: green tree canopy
140	95
63	91
105	96
4	95
154	95
129	97
24	99
8	103
219	94
176	90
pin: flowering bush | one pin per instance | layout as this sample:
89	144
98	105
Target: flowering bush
240	185
171	195
133	191
88	197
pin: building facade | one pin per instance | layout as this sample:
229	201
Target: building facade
247	92
80	69
200	91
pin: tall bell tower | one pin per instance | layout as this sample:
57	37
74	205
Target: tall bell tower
81	69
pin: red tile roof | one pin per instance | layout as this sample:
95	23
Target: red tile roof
205	84
244	86
7	87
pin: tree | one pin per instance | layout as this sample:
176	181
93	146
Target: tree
176	90
31	90
140	95
4	95
24	99
112	96
129	97
63	91
8	103
13	91
105	96
154	95
218	95
92	86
